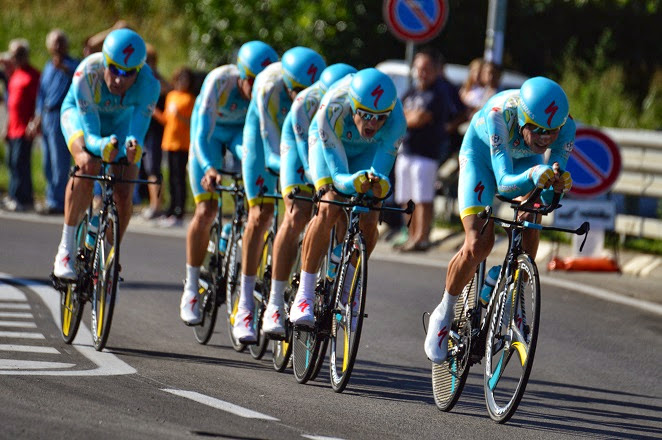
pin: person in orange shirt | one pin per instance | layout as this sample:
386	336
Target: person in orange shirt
178	109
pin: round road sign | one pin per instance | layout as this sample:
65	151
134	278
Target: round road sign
594	164
415	20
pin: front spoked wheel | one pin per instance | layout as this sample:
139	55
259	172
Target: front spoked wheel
233	271
261	298
347	320
449	377
71	302
210	287
106	274
511	340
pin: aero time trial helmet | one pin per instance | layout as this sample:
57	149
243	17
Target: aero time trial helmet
372	91
253	57
302	66
542	102
335	72
124	49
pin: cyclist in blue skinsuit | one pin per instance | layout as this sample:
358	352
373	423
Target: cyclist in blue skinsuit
276	87
294	173
217	123
503	151
105	115
356	131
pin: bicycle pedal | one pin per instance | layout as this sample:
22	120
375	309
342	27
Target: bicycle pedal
365	315
120	279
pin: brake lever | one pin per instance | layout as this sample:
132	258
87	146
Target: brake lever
584	228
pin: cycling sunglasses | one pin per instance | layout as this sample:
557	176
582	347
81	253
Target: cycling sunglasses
537	129
118	71
368	116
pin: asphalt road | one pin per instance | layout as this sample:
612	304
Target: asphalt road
596	375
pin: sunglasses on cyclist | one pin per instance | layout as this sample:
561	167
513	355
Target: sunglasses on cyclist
543	131
368	116
118	71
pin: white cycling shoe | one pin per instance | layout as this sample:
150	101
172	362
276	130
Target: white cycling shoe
63	267
273	322
242	330
189	309
301	312
436	341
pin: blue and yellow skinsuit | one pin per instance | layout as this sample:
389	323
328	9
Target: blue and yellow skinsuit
339	155
90	110
294	164
269	106
217	123
494	156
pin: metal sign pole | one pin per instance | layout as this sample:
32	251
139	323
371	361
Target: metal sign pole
496	29
409	59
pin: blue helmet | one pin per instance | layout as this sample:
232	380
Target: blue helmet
373	91
125	49
301	67
335	72
253	57
542	102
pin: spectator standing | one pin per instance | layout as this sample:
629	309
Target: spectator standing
472	90
53	87
153	154
22	91
176	138
426	107
490	78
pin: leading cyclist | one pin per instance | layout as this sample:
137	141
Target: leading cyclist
217	123
276	86
295	173
503	150
353	143
105	115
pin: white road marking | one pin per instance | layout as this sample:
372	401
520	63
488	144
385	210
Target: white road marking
21	335
13	306
107	364
220	404
15	315
17	324
320	437
28	348
11	364
12	295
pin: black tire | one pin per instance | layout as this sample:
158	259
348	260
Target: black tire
513	330
263	288
448	378
347	319
210	288
282	349
106	269
233	271
71	302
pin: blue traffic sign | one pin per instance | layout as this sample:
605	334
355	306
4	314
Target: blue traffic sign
594	164
416	20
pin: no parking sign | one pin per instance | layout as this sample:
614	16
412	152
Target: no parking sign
417	21
594	164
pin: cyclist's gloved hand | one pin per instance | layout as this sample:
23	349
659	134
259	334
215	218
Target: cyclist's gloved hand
134	151
368	180
541	175
567	181
109	151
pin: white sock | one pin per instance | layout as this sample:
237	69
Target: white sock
192	277
277	291
449	302
348	282
68	238
247	287
307	285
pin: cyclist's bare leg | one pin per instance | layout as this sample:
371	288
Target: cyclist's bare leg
297	215
368	225
78	193
475	249
259	218
316	240
123	195
197	235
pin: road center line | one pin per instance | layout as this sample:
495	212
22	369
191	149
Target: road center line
220	404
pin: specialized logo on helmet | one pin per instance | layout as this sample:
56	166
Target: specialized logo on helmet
312	71
377	93
551	110
128	51
265	62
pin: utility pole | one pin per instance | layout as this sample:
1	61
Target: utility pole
496	29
